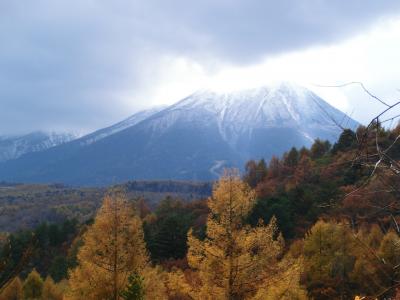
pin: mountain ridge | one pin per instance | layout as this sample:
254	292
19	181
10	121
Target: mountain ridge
193	139
14	146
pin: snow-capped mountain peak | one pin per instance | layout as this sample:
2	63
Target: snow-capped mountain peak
14	146
284	105
195	139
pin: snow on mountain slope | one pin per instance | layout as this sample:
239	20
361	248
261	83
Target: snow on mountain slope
240	113
131	121
194	139
12	147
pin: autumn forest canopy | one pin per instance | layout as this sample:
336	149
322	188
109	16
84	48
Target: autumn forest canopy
316	223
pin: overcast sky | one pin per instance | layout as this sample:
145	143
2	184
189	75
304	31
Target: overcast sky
84	64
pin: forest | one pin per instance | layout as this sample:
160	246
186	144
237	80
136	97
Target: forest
25	206
317	223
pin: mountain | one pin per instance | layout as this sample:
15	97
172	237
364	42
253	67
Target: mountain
12	147
193	139
129	122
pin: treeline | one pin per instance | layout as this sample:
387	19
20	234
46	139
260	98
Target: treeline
328	181
34	287
156	190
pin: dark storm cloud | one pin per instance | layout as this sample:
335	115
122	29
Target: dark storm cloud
65	64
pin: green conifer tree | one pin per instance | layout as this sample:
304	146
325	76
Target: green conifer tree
135	289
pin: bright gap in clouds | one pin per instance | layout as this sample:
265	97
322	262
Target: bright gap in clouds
371	58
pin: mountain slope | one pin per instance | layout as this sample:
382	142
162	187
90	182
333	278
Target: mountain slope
129	122
12	147
193	139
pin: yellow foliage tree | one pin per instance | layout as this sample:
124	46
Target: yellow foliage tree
234	260
367	271
13	291
33	285
330	252
154	283
179	284
284	285
51	291
113	248
389	252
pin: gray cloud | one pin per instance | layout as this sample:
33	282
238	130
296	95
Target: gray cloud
64	64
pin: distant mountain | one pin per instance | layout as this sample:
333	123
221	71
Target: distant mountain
193	139
12	147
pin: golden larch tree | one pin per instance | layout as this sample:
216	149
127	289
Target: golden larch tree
113	248
33	285
13	291
284	285
51	291
234	260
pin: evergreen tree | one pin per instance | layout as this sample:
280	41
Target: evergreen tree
346	141
319	148
59	268
292	158
279	207
135	289
170	238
